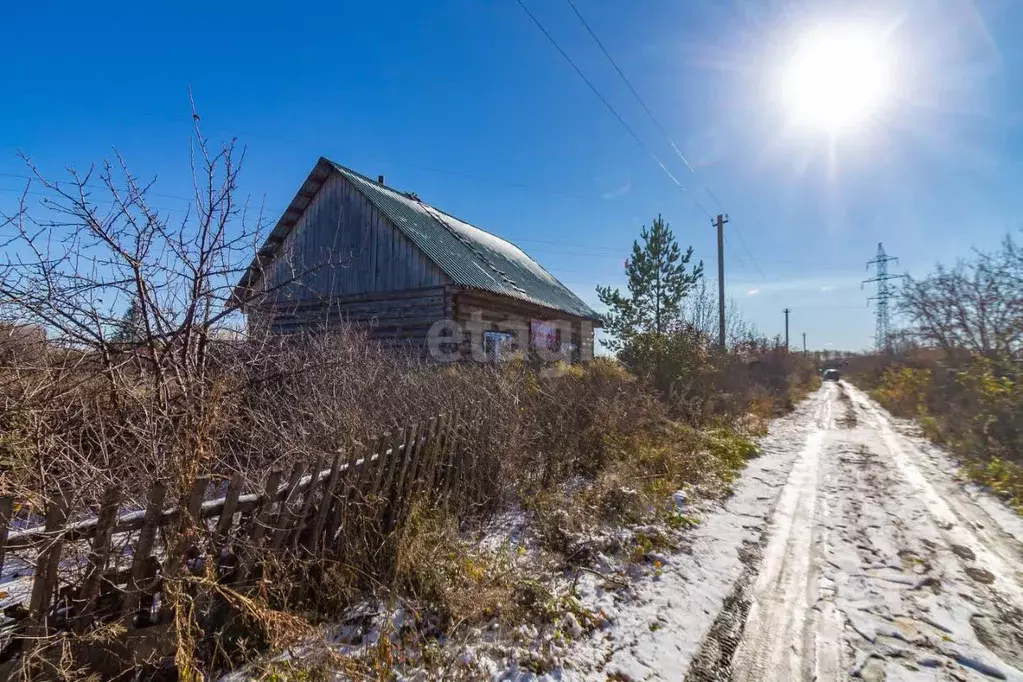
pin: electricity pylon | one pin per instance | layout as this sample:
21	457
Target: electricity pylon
885	292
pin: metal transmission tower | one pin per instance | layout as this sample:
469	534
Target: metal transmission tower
885	292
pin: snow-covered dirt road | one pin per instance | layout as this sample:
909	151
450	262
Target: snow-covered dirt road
878	565
848	551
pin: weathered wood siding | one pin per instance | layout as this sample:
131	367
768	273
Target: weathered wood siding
394	316
502	313
349	248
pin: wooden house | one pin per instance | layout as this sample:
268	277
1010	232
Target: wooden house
352	248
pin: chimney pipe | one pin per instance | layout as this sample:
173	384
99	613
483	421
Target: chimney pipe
380	179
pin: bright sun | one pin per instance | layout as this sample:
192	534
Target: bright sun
837	79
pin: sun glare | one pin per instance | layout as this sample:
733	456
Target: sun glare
837	79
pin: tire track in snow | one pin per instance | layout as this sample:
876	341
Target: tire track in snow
876	565
964	523
776	632
906	584
826	621
714	657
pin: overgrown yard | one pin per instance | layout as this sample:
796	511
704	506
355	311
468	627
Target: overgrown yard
469	594
587	464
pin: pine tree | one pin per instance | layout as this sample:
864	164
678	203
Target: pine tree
658	282
131	327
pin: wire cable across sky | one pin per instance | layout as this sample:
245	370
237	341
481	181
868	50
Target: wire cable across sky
661	128
603	99
628	83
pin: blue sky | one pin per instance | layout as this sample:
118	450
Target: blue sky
468	104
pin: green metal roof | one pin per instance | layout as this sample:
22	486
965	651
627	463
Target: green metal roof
470	256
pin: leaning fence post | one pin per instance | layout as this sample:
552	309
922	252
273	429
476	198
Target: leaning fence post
429	472
143	548
45	582
310	493
467	463
6	507
394	499
339	510
100	554
258	523
399	448
454	472
287	512
327	501
444	473
234	491
384	443
366	509
419	465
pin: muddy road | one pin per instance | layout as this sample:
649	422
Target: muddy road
876	564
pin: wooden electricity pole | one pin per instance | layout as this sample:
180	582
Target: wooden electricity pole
804	343
720	223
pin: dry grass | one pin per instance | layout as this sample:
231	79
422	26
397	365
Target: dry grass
968	404
529	436
636	487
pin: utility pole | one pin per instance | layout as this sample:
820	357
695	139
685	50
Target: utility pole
787	311
804	343
720	223
882	330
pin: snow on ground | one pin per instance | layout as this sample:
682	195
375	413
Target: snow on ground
881	566
848	551
656	626
950	472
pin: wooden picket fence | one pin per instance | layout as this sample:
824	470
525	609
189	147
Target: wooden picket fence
304	512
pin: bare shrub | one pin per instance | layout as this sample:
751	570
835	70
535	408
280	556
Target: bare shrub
974	307
956	368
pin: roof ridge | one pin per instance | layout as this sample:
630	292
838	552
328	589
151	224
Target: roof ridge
408	195
501	266
431	209
346	169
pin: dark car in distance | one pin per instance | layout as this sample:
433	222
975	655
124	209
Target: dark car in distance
831	375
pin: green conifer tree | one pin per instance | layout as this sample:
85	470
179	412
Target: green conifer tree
659	279
131	327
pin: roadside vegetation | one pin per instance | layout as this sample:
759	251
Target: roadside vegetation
956	366
122	364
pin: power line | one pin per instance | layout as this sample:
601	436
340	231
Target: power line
532	187
734	256
613	252
617	249
603	99
617	252
661	128
749	253
24	176
714	198
54	195
629	84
